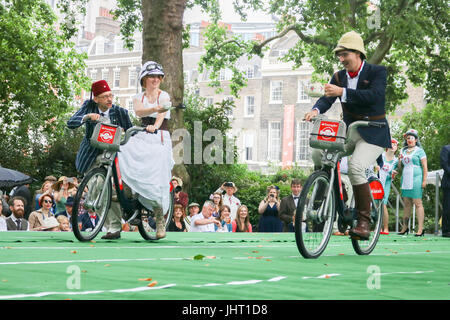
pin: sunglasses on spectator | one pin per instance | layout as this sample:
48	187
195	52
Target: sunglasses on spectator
48	201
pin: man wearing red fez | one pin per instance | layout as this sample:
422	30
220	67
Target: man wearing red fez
99	105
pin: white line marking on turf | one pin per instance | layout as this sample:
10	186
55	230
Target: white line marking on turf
239	283
43	294
324	276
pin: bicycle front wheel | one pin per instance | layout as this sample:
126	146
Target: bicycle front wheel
92	201
314	216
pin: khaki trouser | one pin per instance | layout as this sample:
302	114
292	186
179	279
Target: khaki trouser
113	221
364	155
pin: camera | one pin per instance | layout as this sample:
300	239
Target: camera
228	184
272	196
177	189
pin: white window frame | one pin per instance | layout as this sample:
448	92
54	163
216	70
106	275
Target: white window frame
274	142
276	85
229	114
93	73
302	96
132	77
248	145
302	148
105	74
115	78
247	106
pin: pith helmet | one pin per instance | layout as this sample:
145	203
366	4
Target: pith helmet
351	40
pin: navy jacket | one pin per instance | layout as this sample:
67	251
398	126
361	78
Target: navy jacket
86	222
445	163
368	99
86	154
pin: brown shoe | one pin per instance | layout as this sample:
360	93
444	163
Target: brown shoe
362	204
112	235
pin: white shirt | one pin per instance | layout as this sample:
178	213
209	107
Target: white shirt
164	99
3	224
351	83
201	228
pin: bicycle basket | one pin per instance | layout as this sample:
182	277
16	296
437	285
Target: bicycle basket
106	137
328	134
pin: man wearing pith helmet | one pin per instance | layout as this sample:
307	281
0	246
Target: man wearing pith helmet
361	88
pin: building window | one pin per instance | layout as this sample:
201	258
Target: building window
276	92
248	146
302	150
249	106
132	77
274	147
249	72
209	101
130	105
225	75
229	113
116	78
194	40
302	95
94	75
105	73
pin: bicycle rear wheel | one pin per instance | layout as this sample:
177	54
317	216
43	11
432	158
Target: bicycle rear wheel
90	201
365	247
314	221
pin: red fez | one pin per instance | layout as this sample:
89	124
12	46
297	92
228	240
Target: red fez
99	87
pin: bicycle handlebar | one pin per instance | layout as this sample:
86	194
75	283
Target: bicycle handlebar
130	132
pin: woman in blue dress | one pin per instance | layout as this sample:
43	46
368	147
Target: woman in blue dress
269	209
387	173
414	176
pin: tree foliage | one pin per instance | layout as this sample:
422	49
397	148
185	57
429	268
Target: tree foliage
409	37
40	74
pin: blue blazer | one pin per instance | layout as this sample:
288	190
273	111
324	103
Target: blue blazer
368	99
445	163
86	222
86	154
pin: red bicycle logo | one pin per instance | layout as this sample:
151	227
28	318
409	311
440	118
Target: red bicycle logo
106	134
328	131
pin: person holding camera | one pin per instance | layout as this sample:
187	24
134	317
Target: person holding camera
180	197
228	189
269	211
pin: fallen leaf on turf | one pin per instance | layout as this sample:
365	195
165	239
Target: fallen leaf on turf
428	251
152	284
327	277
73	251
341	254
210	257
107	265
255	251
199	257
4	280
268	260
84	271
146	279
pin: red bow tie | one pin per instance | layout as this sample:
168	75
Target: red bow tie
354	74
93	217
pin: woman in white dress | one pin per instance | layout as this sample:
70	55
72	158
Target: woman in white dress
146	161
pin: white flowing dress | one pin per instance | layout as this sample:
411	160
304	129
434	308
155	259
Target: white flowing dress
146	162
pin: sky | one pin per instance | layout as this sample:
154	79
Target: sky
228	14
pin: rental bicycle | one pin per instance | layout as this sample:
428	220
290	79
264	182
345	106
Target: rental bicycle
322	194
95	192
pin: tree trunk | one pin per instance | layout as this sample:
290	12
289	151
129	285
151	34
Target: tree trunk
162	42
